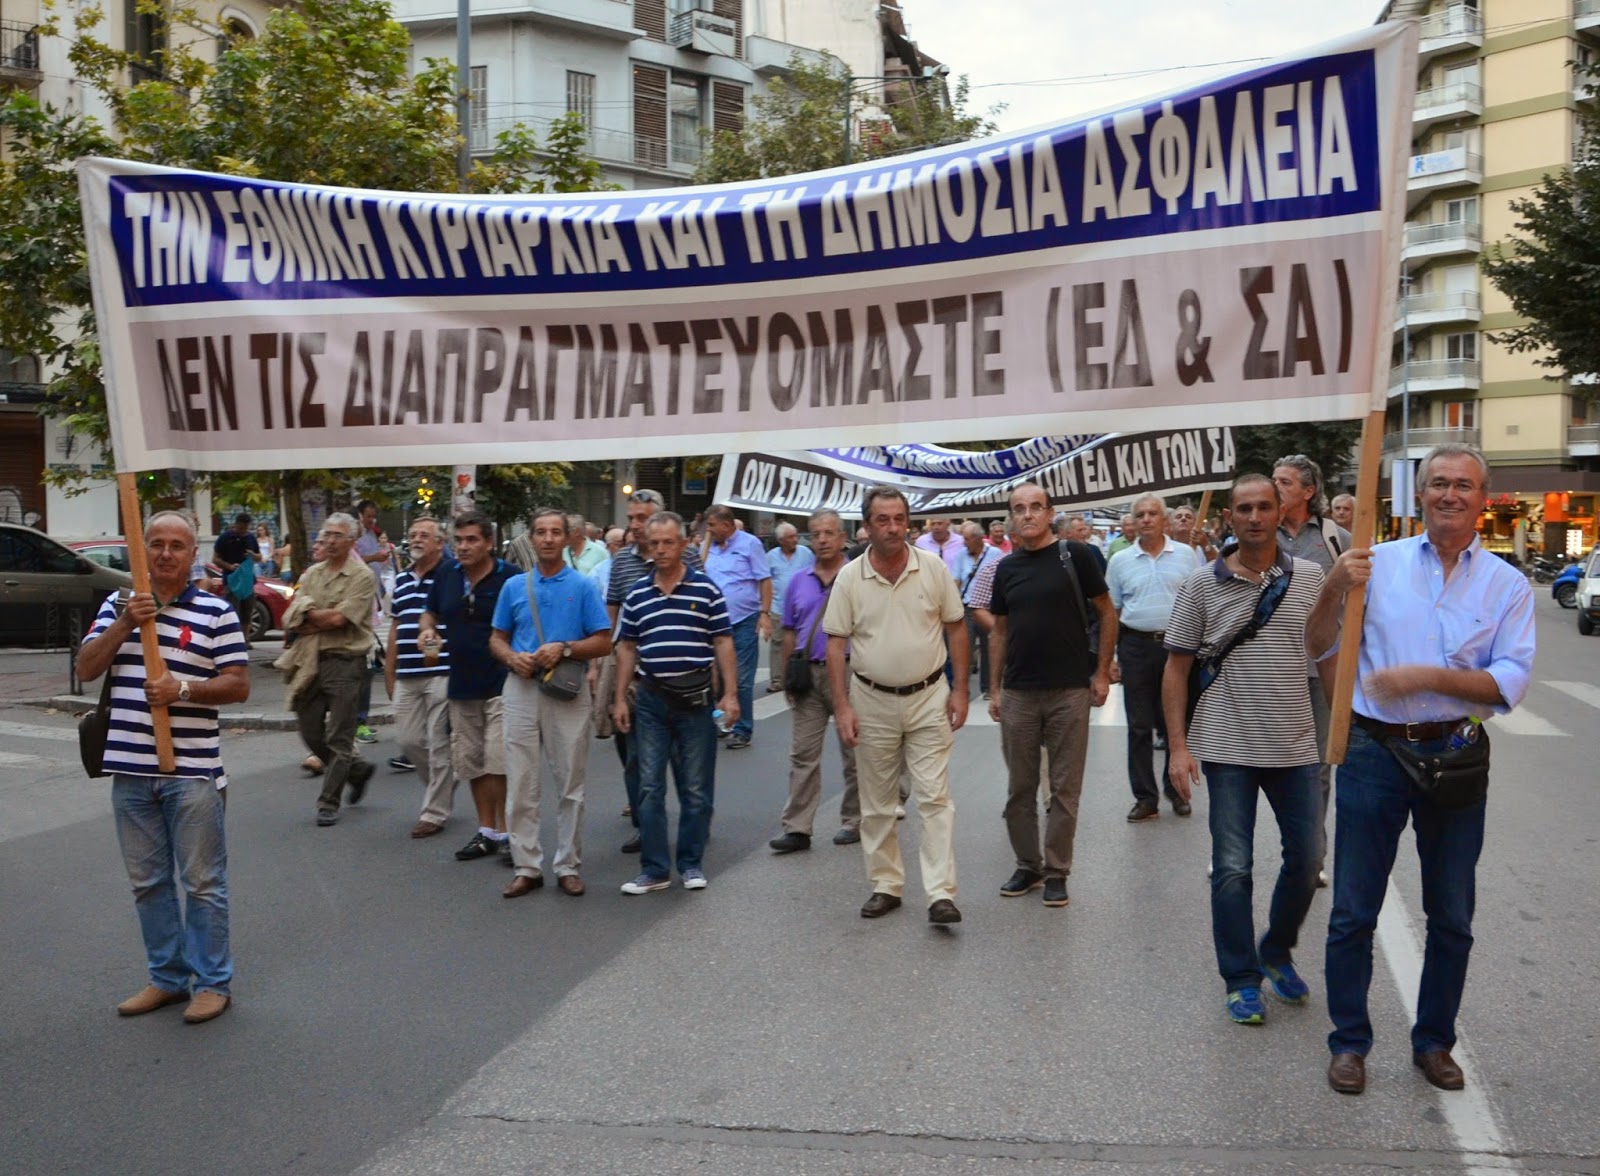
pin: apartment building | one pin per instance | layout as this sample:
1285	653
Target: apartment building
1496	111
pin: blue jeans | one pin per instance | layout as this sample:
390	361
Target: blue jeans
1296	802
1372	803
687	741
170	831
747	647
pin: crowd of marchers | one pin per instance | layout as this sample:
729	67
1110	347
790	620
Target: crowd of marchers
502	671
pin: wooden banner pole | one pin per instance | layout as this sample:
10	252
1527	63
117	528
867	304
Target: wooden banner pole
1346	661
154	664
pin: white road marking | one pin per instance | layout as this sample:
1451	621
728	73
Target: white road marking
1468	1113
1525	722
30	731
1582	691
1113	713
14	758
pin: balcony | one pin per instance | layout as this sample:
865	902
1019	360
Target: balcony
703	32
1431	310
1585	87
614	148
1450	31
771	58
1586	16
1442	103
611	20
1419	441
1436	375
19	56
1453	167
1583	440
1446	239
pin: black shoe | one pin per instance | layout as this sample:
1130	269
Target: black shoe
632	844
1159	742
1055	892
847	836
1181	808
790	842
479	847
503	848
879	904
326	817
356	783
737	742
944	912
1021	883
1143	812
402	763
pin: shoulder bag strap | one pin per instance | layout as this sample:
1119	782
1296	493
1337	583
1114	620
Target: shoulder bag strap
1265	607
1330	538
826	592
533	607
1077	588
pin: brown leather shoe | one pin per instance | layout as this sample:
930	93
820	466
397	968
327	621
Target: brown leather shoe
879	904
944	911
523	884
1347	1073
206	1006
149	1000
426	829
1439	1068
570	884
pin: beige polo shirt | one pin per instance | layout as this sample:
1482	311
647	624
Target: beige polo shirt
896	631
351	590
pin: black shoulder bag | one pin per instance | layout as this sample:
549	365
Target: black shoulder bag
1206	670
564	680
1450	778
94	728
797	677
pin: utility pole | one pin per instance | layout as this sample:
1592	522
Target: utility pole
464	89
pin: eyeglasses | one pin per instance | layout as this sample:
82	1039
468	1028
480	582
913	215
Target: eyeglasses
647	496
1445	485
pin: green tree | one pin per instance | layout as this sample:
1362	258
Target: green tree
325	95
1328	443
1550	270
799	124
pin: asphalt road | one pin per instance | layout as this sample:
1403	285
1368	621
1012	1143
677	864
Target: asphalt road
394	1015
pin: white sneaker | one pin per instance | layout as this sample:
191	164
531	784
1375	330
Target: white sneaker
694	880
1322	879
899	812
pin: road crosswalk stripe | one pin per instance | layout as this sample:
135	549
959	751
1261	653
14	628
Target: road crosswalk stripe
1582	691
1524	722
16	758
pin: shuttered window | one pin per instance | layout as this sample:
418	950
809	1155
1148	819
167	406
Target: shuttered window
651	16
649	115
580	96
727	107
734	11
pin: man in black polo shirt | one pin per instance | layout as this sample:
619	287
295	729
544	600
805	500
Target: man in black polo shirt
462	599
236	553
1045	679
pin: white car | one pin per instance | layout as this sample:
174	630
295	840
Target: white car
1589	594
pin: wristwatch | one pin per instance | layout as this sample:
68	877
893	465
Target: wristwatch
566	649
183	692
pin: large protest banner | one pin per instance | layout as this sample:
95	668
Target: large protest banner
1223	255
1075	472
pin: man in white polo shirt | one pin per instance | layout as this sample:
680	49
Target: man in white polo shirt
170	826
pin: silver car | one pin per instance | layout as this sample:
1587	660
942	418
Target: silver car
49	594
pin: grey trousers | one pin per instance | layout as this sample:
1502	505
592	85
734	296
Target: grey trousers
326	714
810	713
422	725
538	730
1056	721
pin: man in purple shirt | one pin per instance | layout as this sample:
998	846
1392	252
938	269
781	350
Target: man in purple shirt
939	539
737	565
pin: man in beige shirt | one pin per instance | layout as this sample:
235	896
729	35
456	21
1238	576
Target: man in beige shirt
337	596
898	613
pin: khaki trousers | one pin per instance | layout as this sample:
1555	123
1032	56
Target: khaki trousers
540	728
1056	721
809	714
422	724
912	733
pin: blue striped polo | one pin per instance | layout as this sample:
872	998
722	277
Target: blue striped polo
673	631
410	602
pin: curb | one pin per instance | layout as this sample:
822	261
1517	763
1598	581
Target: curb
74	704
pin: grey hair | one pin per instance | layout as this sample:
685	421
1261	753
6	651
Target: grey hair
667	516
1061	520
1310	475
167	516
1161	503
785	528
346	522
972	528
1454	449
827	513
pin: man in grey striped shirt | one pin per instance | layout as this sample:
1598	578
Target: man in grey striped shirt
1252	732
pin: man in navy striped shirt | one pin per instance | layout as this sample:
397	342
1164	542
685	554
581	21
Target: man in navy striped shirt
170	826
418	685
674	625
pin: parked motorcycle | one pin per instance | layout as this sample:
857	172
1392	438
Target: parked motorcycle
1547	568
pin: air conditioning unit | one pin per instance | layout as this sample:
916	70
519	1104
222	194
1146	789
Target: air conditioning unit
704	32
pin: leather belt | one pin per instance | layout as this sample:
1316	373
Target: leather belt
902	691
1158	636
1410	732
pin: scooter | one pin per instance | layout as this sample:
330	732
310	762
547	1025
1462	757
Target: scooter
1546	568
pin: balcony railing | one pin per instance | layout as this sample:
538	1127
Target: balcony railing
1448	236
19	54
1428	438
1583	434
1448	306
604	144
1452	97
1449	168
1434	374
1454	28
1586	14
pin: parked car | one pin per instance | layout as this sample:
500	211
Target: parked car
272	596
49	593
1588	594
1564	588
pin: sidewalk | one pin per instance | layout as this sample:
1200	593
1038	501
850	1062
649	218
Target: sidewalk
40	678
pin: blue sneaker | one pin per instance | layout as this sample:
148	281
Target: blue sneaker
1245	1007
1286	984
645	883
694	880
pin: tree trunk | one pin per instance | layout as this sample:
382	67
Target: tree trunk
292	489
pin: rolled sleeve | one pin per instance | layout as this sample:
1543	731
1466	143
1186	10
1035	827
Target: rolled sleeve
1511	655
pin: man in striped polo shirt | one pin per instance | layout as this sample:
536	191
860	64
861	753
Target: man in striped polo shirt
420	685
674	626
170	827
1252	732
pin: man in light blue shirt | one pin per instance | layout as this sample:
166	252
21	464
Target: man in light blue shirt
737	565
1447	637
1144	579
785	561
571	622
977	553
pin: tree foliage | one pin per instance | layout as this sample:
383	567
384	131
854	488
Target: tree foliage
799	124
1328	443
1550	270
325	95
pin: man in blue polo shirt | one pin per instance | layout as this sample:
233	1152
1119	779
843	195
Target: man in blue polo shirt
462	600
737	565
674	625
570	623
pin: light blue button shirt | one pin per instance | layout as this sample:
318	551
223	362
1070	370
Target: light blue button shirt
737	567
784	568
1143	586
1479	619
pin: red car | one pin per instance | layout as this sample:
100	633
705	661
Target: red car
272	596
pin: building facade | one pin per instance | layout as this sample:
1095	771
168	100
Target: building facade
1497	110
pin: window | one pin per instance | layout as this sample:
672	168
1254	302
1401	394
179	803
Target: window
235	30
1461	414
478	106
18	369
649	115
145	37
27	553
685	116
1463	346
1463	211
580	96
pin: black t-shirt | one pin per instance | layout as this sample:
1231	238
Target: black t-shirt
473	672
1046	647
235	548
